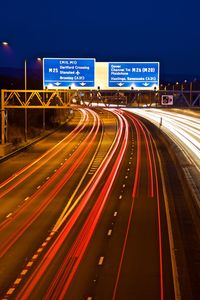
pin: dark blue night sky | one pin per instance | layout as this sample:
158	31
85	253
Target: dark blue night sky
165	31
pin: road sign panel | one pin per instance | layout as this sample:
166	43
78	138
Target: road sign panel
136	75
167	100
62	73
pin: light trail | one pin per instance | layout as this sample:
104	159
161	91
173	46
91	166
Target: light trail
142	131
182	129
63	279
78	157
44	158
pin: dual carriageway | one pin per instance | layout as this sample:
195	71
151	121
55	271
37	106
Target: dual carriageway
100	210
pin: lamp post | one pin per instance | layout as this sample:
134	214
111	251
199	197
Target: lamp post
39	60
2	110
182	85
25	111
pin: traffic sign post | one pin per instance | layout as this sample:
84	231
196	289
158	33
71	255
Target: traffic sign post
136	75
63	73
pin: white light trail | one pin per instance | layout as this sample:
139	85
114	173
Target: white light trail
183	129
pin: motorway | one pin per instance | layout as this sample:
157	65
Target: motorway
85	214
182	128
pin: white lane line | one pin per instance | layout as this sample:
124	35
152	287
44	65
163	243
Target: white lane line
123	185
17	281
47	178
26	198
39	186
9	215
115	214
120	197
29	264
101	261
24	272
109	232
39	250
10	291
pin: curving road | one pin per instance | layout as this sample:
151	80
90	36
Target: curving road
86	214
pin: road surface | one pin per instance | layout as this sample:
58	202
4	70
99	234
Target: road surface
85	214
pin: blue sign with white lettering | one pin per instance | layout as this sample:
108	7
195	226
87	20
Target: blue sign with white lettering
62	73
134	75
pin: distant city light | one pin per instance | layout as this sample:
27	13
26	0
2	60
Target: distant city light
5	43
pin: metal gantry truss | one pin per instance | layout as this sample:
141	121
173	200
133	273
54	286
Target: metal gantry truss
63	99
34	99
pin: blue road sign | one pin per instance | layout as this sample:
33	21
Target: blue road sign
137	75
62	73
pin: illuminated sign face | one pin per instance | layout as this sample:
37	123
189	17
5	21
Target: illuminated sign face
62	73
135	75
167	100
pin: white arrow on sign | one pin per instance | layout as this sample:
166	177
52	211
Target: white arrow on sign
78	73
146	84
57	83
120	84
82	83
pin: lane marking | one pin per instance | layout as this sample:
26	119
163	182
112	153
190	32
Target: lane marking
126	177
29	264
109	232
123	185
47	178
169	227
101	261
10	214
67	208
10	291
39	250
39	186
26	198
24	272
115	214
120	197
89	298
17	281
35	256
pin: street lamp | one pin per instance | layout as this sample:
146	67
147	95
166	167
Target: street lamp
182	85
5	44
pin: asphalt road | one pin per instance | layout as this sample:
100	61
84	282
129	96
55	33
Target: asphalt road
89	218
